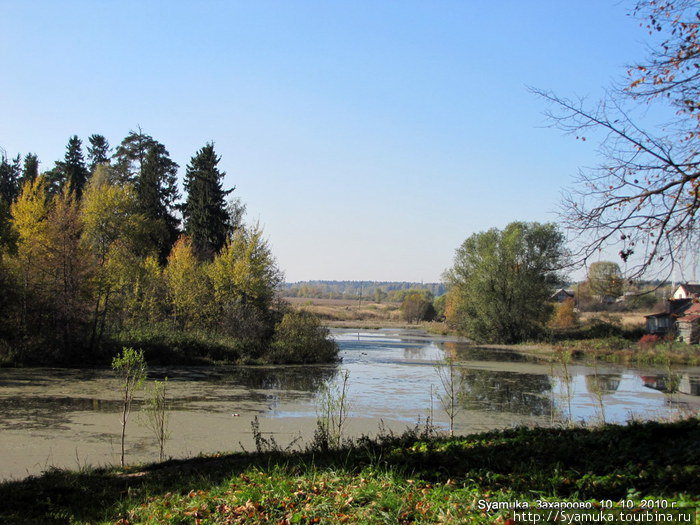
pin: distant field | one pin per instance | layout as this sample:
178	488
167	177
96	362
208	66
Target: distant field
352	313
626	318
324	302
345	310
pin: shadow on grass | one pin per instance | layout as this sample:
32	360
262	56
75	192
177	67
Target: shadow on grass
611	462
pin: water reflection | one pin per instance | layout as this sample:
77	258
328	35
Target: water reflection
466	352
499	391
602	384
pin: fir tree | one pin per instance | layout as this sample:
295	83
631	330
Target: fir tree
156	187
205	213
75	172
9	191
30	169
98	151
131	154
9	178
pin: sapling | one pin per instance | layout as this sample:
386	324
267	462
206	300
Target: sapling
452	382
333	413
156	414
131	370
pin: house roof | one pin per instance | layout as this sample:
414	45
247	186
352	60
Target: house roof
570	293
676	308
659	314
691	289
692	313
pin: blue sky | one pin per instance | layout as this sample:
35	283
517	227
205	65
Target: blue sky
370	138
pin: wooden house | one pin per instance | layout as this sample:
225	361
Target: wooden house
682	318
561	295
663	323
687	291
689	325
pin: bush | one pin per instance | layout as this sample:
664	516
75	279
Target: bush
417	307
300	338
564	315
649	340
169	346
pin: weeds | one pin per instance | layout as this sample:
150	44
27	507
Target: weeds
156	414
564	358
332	414
263	444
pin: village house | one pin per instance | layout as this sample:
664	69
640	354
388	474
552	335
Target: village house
687	291
561	295
682	315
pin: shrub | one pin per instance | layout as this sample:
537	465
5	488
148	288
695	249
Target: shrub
649	340
564	315
166	345
300	338
417	307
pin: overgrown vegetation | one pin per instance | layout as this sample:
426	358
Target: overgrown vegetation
386	480
300	338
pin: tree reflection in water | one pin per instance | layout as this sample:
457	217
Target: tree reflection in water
601	385
502	391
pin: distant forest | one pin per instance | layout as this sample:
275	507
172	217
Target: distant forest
376	290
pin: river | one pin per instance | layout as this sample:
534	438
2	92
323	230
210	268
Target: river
71	417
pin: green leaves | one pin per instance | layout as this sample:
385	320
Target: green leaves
502	279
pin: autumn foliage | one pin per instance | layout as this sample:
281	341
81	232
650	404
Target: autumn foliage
76	274
564	315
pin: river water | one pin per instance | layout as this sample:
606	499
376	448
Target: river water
71	417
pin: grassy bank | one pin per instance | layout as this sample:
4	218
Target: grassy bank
405	479
165	346
297	338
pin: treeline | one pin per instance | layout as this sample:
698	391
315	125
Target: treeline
100	249
379	291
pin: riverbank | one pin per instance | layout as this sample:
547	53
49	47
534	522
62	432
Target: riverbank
297	338
390	479
615	339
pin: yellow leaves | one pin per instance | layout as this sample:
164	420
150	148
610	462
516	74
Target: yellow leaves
245	270
30	211
186	284
110	214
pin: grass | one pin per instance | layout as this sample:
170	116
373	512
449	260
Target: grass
619	350
407	479
166	346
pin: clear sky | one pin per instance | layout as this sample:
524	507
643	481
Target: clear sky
370	138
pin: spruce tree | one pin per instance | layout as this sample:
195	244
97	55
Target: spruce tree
9	178
30	169
156	189
9	191
75	172
131	154
98	151
205	214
